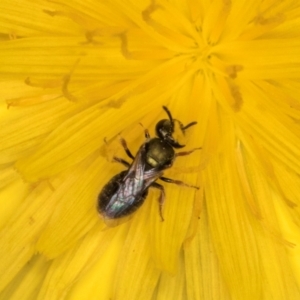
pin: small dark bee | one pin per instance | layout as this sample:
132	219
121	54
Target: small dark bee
127	191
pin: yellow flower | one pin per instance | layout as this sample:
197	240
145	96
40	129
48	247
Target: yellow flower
74	73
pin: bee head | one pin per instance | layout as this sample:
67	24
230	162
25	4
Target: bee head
166	128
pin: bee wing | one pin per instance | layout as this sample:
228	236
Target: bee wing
137	167
151	176
132	188
137	170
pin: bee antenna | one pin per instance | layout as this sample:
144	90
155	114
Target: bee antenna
170	117
188	125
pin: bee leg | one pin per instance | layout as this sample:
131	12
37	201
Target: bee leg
161	199
124	144
178	182
146	132
121	161
186	152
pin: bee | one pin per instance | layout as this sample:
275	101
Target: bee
127	191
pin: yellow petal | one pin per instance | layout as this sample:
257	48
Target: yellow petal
26	285
26	224
203	277
139	281
75	214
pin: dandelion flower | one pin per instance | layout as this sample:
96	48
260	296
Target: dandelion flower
72	74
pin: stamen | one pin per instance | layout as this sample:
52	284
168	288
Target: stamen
66	81
90	38
237	96
44	84
124	46
146	14
232	70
